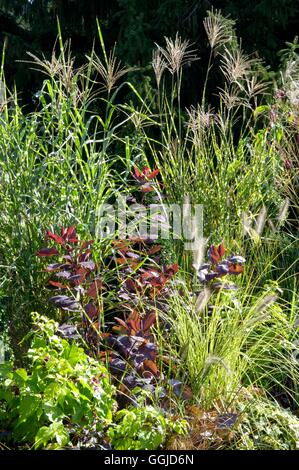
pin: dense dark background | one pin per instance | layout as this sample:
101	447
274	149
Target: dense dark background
31	25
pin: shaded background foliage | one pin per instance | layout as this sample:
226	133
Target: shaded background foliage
31	25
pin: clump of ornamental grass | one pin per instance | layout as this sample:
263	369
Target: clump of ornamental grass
229	177
57	169
227	339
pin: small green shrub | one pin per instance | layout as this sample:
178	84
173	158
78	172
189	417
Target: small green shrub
143	428
62	394
266	425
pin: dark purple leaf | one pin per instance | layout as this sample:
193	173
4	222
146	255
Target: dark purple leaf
148	351
63	274
227	420
130	381
95	289
131	199
222	269
75	278
68	331
237	259
132	255
211	275
53	267
131	285
90	265
64	302
117	365
202	275
180	390
91	310
125	296
84	256
47	252
125	344
204	266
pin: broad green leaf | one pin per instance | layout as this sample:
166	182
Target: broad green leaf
21	374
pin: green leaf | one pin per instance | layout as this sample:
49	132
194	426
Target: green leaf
21	373
56	431
260	110
28	406
53	412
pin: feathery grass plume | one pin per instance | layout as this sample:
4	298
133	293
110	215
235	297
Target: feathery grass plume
67	72
51	68
110	71
173	149
199	120
235	64
159	65
265	302
260	221
255	87
202	300
140	119
212	360
223	121
246	223
230	96
61	67
283	211
177	53
199	253
219	29
63	70
260	310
